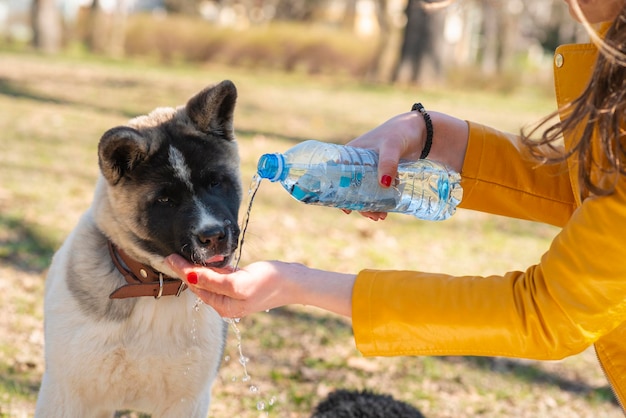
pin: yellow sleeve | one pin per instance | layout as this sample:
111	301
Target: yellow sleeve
576	294
499	176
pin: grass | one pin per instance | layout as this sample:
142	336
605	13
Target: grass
55	110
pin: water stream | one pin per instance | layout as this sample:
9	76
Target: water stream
243	360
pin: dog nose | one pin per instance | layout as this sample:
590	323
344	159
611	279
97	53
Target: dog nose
211	236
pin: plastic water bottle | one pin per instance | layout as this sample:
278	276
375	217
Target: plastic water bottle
346	177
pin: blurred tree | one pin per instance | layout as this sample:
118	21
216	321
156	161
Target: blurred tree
422	46
117	36
261	11
106	30
96	36
298	10
552	24
47	26
384	39
349	16
188	7
511	27
493	36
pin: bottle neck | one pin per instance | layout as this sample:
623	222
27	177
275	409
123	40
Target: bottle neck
271	166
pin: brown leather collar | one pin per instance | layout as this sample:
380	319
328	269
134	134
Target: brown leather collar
142	280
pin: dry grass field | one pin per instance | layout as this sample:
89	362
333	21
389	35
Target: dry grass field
53	112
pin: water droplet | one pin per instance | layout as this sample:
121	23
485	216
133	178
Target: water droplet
197	304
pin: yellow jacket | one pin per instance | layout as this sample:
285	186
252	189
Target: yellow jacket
574	297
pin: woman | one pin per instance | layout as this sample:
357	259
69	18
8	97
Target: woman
575	296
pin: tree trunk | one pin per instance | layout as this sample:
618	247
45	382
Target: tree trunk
384	38
491	45
97	29
349	16
187	7
46	25
420	55
118	32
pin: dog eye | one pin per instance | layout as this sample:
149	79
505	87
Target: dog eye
165	200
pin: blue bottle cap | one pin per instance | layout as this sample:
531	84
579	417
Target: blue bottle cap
271	166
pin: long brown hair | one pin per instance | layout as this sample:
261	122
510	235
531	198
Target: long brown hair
599	111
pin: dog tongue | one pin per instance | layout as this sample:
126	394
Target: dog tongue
215	259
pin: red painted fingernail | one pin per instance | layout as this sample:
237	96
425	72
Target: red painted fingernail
192	277
385	180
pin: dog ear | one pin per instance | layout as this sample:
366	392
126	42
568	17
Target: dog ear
212	109
120	150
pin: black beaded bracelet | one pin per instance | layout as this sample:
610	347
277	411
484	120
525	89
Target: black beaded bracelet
429	129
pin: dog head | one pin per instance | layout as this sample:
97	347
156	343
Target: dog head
171	181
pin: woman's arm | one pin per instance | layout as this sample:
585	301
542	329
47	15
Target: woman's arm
498	173
265	285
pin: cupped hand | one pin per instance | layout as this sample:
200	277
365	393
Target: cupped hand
235	294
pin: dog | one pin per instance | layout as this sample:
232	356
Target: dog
344	403
121	332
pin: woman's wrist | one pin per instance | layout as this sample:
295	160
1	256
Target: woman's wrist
428	128
450	139
330	291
